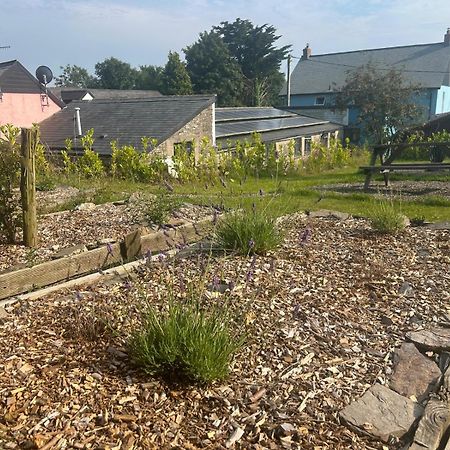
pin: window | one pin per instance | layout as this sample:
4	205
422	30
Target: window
307	145
179	147
320	101
324	138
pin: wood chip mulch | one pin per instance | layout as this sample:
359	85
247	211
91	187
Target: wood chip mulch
92	227
321	317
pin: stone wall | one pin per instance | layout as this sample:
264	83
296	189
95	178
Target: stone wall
199	127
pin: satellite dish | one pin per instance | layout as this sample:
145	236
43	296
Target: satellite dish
44	74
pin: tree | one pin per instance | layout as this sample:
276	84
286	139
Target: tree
175	78
75	76
149	77
384	101
115	74
213	70
253	48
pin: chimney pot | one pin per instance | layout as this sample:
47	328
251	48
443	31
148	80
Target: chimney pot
306	52
447	37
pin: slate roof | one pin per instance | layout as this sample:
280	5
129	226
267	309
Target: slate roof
125	121
272	124
16	79
68	94
424	64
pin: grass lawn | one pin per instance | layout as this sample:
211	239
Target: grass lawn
279	196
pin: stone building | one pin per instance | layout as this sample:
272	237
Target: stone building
170	120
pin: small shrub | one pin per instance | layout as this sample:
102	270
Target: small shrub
186	340
159	209
9	179
248	232
386	217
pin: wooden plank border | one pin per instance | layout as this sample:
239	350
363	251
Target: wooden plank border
64	269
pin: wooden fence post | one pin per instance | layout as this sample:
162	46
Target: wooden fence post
28	186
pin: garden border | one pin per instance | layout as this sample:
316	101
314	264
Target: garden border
133	246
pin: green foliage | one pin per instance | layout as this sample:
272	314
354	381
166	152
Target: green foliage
326	158
248	232
115	74
127	163
160	208
175	78
186	340
9	179
213	70
386	217
150	77
384	100
76	77
253	48
89	164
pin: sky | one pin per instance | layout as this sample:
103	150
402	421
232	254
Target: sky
142	32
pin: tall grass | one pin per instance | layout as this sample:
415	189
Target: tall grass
248	232
185	341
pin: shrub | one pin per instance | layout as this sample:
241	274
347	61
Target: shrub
386	218
9	179
248	232
159	209
129	164
185	340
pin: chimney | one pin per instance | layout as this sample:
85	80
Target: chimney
447	37
306	52
78	131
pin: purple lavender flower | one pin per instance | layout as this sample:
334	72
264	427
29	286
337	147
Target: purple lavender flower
161	257
214	221
251	244
78	295
148	254
272	265
216	282
231	285
305	236
109	248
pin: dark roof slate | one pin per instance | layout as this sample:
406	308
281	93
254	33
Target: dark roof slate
16	79
425	64
68	94
125	121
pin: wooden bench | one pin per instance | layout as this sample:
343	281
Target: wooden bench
386	169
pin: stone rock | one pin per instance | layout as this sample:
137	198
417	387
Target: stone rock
406	289
406	221
85	207
439	226
414	374
435	339
68	251
4	316
327	213
382	413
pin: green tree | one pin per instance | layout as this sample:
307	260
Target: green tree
254	50
213	70
149	77
115	74
175	78
384	101
75	76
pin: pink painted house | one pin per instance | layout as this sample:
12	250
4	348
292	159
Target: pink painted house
23	100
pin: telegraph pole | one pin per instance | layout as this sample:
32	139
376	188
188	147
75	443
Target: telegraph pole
288	83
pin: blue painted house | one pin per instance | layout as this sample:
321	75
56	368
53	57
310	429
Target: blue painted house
316	79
